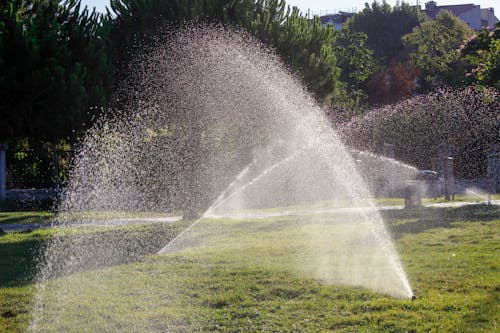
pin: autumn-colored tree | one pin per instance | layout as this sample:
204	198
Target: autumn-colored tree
391	78
392	84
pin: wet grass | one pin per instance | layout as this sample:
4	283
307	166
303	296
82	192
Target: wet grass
19	253
106	215
451	255
42	217
378	201
48	217
462	198
17	267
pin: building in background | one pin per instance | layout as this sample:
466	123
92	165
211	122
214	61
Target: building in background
337	20
488	18
476	17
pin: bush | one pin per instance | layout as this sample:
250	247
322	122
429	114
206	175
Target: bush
467	120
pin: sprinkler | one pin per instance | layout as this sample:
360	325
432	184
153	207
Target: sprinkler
413	297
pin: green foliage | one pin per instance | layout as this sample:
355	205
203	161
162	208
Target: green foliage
33	163
26	217
433	48
385	25
392	84
356	62
54	73
392	78
53	68
307	48
137	26
482	56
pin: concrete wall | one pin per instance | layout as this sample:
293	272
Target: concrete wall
472	18
488	17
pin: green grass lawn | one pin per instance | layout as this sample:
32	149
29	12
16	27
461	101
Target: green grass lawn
46	217
451	256
43	217
378	201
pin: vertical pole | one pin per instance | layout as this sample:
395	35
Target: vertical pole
449	179
496	170
389	150
493	171
3	172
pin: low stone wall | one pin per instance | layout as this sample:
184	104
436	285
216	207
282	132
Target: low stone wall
30	199
32	194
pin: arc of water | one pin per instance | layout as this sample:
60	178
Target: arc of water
390	160
228	189
224	197
379	229
380	232
251	182
169	245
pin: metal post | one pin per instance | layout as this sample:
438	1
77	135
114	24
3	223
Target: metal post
389	150
3	171
449	179
413	195
494	169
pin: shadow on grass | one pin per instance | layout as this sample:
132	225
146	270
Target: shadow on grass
18	261
82	251
25	217
415	221
97	249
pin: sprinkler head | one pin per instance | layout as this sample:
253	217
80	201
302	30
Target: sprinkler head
413	297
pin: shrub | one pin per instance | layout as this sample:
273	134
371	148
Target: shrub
468	120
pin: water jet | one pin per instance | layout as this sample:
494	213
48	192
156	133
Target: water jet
218	124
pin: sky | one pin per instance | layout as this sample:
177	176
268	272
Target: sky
320	7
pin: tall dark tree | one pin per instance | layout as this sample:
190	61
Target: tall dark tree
136	26
54	75
356	63
385	25
53	68
305	45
